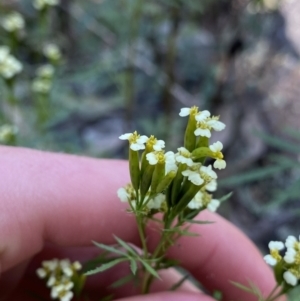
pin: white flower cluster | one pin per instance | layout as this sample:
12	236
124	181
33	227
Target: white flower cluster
52	52
205	123
127	195
184	162
42	4
13	22
290	261
58	274
9	65
43	82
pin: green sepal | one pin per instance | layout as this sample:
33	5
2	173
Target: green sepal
146	180
186	198
79	281
203	142
278	272
158	174
177	182
189	136
202	152
166	181
144	162
134	168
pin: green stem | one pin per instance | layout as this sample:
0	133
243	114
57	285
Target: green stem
160	250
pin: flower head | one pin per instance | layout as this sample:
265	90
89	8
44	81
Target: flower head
193	174
13	22
205	125
136	141
218	155
153	144
52	52
59	277
204	200
184	156
274	257
9	65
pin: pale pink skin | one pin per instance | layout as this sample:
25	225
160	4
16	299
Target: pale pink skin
54	205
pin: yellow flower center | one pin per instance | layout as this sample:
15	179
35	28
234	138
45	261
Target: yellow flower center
275	254
194	111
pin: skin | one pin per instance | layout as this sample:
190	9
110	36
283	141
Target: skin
54	205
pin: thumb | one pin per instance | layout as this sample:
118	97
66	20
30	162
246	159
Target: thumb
170	296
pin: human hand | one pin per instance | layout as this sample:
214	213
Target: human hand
54	205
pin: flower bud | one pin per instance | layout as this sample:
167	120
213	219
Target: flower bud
134	168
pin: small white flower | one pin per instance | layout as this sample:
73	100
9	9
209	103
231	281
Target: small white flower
216	125
290	278
77	265
220	164
41	85
9	65
136	141
42	273
67	296
45	71
160	157
185	112
13	22
200	116
184	156
56	290
290	255
205	125
274	256
51	281
156	202
291	242
193	176
216	148
170	162
213	205
197	201
208	172
122	194
66	267
211	186
52	52
50	264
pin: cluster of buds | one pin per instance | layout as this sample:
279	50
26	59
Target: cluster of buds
174	182
286	267
43	81
44	4
60	276
9	65
13	22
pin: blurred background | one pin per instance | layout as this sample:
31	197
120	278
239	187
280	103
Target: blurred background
114	66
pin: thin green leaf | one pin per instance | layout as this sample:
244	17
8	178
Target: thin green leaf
225	197
292	133
243	287
109	248
279	143
192	221
133	266
291	192
150	269
255	175
178	284
105	266
125	245
122	281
